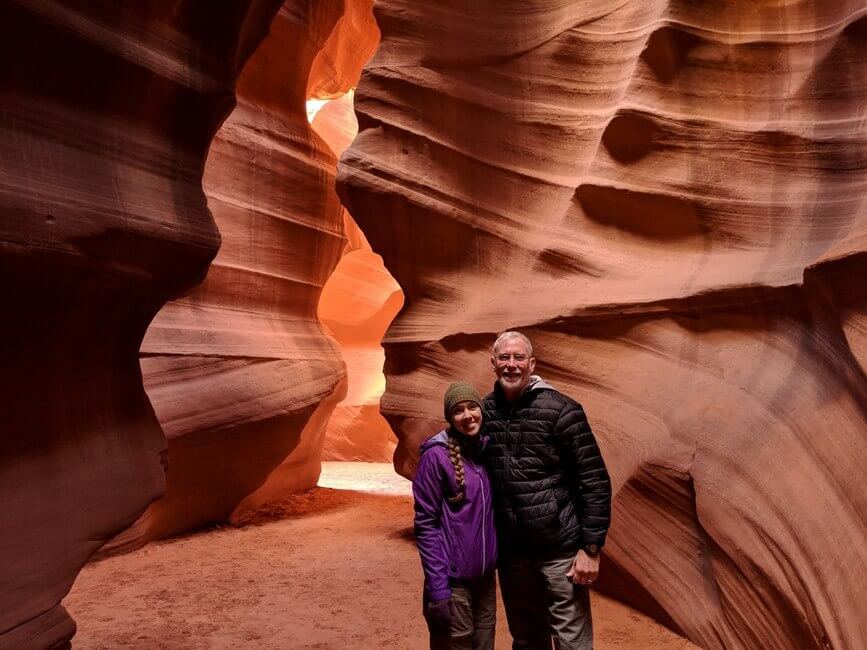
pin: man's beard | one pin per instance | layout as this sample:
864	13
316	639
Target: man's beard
512	381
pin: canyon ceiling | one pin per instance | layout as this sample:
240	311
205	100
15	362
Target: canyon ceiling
669	198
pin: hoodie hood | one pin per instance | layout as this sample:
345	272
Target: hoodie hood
470	447
440	439
537	383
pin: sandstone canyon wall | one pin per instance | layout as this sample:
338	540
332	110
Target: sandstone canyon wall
241	374
357	305
107	114
669	199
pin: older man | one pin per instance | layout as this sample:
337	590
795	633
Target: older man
552	502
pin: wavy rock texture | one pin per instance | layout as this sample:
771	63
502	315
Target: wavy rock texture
357	304
349	45
669	199
240	372
107	117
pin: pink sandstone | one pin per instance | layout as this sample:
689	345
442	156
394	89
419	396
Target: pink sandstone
668	198
241	373
357	304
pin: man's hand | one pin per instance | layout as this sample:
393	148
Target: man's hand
584	569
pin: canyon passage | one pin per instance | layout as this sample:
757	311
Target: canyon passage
240	240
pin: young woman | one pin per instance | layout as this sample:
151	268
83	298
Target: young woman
454	528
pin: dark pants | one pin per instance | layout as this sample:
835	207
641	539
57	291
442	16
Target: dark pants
474	616
541	603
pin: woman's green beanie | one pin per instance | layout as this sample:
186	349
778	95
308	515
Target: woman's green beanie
458	392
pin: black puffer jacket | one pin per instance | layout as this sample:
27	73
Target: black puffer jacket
551	489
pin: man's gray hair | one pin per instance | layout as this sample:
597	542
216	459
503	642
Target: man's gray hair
508	336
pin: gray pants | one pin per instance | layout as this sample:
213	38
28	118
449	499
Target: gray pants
474	616
541	603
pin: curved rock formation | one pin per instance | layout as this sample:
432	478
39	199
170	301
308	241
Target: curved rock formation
669	199
357	304
240	372
107	117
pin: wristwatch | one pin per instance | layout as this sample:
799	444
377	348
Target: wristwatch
592	549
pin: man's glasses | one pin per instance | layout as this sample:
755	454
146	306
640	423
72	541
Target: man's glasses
519	358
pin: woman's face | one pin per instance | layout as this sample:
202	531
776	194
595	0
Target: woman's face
467	418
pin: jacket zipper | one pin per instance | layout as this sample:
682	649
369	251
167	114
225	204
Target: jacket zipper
509	446
484	519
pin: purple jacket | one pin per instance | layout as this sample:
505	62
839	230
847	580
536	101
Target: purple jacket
455	541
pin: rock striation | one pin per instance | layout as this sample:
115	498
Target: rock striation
357	304
107	116
669	199
240	371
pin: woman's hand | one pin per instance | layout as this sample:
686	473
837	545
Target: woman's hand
439	613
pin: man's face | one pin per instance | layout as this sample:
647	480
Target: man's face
513	366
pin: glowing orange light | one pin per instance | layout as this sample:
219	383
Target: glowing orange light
313	107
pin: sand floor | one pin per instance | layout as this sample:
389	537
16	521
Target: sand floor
335	567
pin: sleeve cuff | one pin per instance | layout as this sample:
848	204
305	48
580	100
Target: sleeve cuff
440	594
599	540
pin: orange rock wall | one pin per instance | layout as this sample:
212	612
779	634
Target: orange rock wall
107	115
240	372
357	304
669	199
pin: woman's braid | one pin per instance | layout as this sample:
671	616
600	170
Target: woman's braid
457	461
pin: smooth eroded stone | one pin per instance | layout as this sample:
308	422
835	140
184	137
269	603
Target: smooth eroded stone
668	198
108	113
241	373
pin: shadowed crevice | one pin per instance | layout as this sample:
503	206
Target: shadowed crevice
653	216
630	136
668	50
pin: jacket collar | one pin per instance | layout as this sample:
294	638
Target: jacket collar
470	447
536	384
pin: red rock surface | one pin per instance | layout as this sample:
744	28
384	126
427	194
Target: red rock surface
357	305
241	374
107	116
668	198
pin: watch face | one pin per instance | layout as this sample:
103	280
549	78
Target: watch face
592	549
